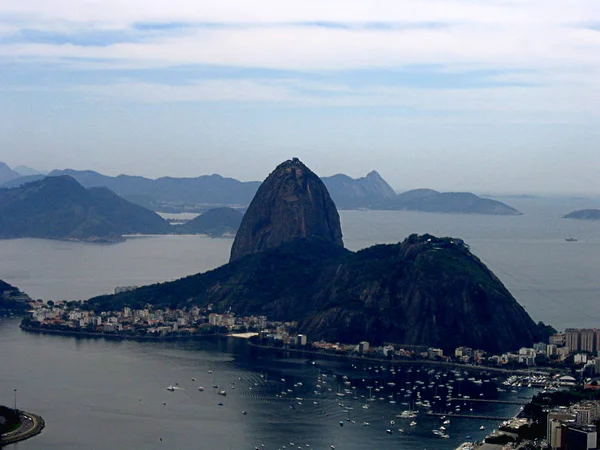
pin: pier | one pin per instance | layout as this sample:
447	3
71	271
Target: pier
484	400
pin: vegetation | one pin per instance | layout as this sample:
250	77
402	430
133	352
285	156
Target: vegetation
425	290
9	419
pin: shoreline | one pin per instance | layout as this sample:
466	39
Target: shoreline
115	337
31	425
393	361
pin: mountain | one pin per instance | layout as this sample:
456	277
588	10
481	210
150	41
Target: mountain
60	208
291	203
422	291
214	222
428	200
349	193
7	174
169	194
584	214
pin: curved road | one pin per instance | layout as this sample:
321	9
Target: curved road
31	425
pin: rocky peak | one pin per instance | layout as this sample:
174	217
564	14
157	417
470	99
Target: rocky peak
291	203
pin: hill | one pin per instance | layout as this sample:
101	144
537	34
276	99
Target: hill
214	222
428	200
60	208
351	193
425	291
584	214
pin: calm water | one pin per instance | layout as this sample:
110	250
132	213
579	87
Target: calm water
95	394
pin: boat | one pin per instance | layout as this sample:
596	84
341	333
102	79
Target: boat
223	393
482	427
571	239
200	388
172	388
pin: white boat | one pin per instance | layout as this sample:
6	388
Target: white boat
200	388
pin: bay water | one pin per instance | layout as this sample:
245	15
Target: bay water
99	394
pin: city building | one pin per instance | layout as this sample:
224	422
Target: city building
581	437
363	347
572	339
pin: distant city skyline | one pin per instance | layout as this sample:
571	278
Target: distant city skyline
494	97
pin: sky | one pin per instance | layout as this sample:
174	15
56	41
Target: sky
489	96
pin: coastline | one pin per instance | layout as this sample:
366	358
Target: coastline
392	361
31	425
115	337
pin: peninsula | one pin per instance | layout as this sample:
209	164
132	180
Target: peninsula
423	291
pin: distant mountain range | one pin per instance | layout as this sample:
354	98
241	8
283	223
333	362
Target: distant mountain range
60	208
584	214
198	194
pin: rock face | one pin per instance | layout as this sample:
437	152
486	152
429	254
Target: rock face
291	203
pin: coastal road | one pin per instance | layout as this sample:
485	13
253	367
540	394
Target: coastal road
30	426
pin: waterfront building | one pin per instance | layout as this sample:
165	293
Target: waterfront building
556	428
581	437
363	347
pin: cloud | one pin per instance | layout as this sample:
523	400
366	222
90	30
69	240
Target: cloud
542	104
550	47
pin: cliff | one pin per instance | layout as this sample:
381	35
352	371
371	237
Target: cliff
291	203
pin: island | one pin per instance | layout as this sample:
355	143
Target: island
584	214
214	222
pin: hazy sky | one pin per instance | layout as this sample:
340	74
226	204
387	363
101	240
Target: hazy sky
481	95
